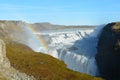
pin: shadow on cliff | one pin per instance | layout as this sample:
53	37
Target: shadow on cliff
108	57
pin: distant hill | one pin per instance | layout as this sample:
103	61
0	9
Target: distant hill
48	26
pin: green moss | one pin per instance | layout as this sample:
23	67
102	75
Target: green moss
41	66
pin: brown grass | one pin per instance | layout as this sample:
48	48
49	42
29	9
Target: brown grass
41	66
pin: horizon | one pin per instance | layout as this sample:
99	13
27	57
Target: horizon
52	23
61	12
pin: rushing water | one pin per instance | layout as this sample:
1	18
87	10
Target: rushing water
76	47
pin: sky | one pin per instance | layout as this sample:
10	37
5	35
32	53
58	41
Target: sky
64	12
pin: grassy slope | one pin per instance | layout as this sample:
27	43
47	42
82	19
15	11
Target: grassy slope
2	77
41	66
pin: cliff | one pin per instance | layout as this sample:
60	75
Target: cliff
13	31
7	72
108	57
3	59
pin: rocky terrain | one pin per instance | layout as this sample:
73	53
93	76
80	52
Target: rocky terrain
7	72
13	31
108	57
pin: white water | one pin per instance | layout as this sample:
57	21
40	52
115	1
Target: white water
77	48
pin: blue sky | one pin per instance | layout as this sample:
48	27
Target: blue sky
65	12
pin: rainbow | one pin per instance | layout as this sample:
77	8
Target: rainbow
39	38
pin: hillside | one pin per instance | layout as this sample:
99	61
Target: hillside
41	66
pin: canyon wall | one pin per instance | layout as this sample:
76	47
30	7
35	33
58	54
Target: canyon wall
108	57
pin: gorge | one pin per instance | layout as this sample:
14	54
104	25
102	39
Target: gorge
83	49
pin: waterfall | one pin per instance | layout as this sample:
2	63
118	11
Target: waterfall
76	48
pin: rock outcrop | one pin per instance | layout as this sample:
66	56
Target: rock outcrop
3	59
108	57
7	72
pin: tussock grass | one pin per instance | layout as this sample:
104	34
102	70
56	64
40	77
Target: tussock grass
41	66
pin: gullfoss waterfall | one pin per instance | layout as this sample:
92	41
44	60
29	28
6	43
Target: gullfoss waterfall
77	48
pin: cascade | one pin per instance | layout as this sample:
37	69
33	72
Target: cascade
77	48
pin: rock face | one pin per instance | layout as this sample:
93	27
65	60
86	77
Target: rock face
6	71
108	57
3	59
